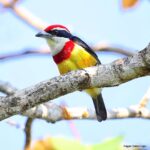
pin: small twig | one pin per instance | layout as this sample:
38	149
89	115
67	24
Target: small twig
46	51
117	49
7	88
146	98
28	132
25	52
24	15
15	124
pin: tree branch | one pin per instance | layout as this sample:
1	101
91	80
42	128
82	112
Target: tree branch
28	126
117	49
24	15
23	53
52	112
145	99
45	51
116	73
7	88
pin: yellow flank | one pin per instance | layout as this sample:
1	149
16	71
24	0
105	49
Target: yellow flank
79	59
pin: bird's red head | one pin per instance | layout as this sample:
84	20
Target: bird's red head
56	27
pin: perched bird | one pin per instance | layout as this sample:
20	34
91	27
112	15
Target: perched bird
71	53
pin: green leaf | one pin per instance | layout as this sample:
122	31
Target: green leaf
67	144
112	144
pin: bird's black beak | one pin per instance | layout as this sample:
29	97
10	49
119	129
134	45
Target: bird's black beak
44	34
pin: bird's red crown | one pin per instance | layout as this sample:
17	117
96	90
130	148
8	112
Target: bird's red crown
56	26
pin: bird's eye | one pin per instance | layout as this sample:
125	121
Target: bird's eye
55	32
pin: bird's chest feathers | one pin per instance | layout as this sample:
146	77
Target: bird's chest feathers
65	52
73	57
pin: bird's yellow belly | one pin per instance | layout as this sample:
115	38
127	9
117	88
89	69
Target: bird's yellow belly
79	59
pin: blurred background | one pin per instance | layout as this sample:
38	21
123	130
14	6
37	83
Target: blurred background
97	23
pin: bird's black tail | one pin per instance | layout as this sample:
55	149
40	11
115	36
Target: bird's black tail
100	109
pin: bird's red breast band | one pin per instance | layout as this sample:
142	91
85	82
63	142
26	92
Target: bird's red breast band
64	53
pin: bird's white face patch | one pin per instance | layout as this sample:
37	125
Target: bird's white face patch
56	44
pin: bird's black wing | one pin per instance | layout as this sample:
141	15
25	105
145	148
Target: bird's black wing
86	47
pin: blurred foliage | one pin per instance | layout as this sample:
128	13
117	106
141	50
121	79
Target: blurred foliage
64	144
129	3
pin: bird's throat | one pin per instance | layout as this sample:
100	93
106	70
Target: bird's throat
65	53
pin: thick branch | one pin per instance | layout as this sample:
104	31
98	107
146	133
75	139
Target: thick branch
52	112
116	73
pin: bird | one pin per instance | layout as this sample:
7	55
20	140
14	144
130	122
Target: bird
70	53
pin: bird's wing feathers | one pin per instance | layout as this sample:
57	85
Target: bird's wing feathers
86	47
